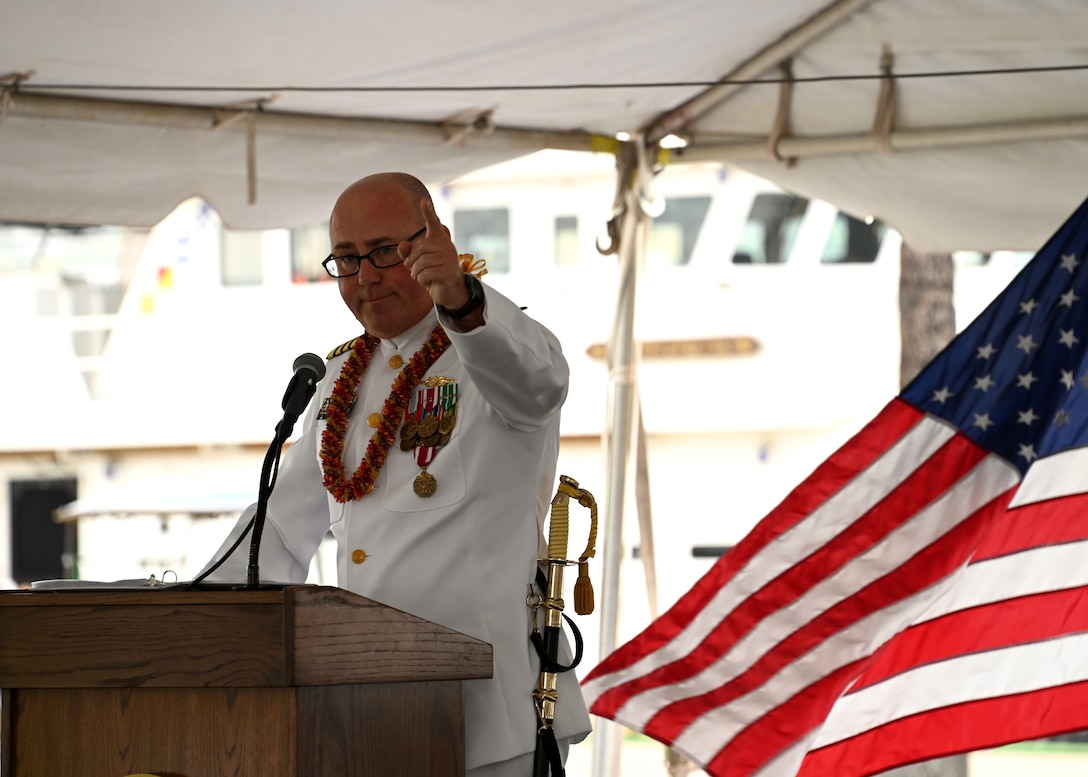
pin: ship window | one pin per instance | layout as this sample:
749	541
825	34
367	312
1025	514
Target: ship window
852	240
484	233
674	232
242	257
769	233
566	241
309	246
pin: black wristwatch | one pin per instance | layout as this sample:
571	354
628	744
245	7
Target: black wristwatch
475	298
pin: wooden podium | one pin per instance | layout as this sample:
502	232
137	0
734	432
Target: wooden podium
302	681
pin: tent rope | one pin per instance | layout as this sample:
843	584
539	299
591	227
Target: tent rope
885	107
781	127
245	111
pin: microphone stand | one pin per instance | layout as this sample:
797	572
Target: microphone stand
309	369
269	470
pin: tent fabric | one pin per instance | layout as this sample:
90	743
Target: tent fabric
83	171
986	195
415	85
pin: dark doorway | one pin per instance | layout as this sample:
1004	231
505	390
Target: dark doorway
41	548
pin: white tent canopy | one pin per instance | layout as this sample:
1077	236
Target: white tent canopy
117	110
66	156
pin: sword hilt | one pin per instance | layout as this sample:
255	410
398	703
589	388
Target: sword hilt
558	530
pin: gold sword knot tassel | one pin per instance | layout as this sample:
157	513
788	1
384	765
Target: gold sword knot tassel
583	586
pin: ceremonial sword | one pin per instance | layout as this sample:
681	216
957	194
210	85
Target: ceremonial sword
546	694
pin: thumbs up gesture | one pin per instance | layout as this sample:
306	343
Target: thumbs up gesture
433	262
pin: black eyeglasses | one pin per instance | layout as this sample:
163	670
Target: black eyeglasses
381	257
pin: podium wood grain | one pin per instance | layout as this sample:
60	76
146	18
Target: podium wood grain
303	680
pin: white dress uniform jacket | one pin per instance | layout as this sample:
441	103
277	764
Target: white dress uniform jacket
466	556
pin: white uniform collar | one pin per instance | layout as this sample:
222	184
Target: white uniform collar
410	340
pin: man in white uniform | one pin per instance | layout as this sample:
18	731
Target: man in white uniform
430	450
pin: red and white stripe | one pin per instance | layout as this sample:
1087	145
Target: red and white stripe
1003	658
850	624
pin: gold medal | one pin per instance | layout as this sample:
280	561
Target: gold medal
408	430
427	425
424	485
446	423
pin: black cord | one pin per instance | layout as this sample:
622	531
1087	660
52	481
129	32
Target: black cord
268	479
27	87
269	473
196	580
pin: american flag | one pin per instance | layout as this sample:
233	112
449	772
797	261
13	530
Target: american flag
924	592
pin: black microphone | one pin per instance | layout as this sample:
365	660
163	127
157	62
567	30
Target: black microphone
309	370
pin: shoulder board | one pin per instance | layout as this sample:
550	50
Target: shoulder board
342	348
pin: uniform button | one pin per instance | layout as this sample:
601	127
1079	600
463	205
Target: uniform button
358	556
395	361
373	420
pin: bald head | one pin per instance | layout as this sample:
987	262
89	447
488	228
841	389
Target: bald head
387	183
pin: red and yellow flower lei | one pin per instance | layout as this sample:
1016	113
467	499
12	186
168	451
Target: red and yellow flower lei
343	395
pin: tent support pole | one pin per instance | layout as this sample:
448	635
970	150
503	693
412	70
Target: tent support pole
675	120
896	140
632	187
27	104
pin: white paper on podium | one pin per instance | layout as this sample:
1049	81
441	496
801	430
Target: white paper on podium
116	585
146	583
